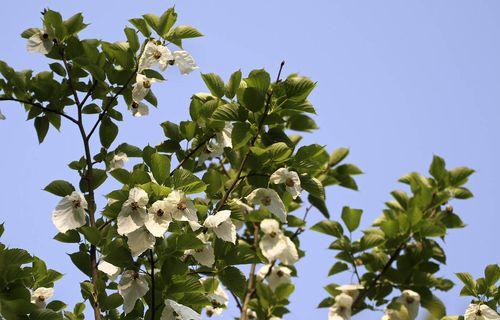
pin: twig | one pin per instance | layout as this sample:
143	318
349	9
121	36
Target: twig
190	153
252	143
238	303
251	277
301	229
39	106
153	304
89	93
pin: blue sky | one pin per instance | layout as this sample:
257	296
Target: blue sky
398	81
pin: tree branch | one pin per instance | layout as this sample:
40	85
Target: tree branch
190	153
153	304
251	276
37	105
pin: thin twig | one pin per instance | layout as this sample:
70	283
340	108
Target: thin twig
89	93
153	304
238	303
251	276
190	153
39	106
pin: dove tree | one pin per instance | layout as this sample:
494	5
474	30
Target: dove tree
192	230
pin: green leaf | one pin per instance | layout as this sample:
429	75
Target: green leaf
253	99
492	274
132	38
351	218
214	84
434	306
75	24
337	156
320	205
98	178
283	291
60	188
233	84
70	236
313	186
91	234
329	227
58	68
467	280
234	280
230	112
337	267
41	127
166	21
240	135
187	182
298	88
438	169
185	32
390	227
56	305
107	132
82	261
160	167
121	175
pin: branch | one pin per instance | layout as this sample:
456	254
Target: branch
37	105
70	82
110	102
375	280
252	143
251	277
238	303
190	153
301	229
89	93
153	304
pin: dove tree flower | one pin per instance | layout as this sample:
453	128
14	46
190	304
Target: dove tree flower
204	255
132	287
109	269
177	311
184	61
350	289
222	225
138	109
40	42
275	245
140	240
289	178
182	208
118	161
219	301
278	275
159	218
69	213
155	54
411	300
341	309
269	199
41	295
141	87
133	213
480	312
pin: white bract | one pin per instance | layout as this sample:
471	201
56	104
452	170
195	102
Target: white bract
155	54
289	178
139	109
480	312
133	213
411	300
341	309
224	137
204	255
142	86
278	275
118	161
41	295
182	208
140	240
222	225
109	269
269	199
177	311
219	301
132	287
159	218
275	245
69	213
350	289
185	62
40	42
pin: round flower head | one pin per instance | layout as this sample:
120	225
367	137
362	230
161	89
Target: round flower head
278	275
176	311
275	245
142	86
140	240
69	213
133	213
155	54
109	269
269	199
411	300
159	218
219	301
40	42
139	109
41	295
222	225
181	207
132	287
480	312
341	309
185	62
118	161
289	178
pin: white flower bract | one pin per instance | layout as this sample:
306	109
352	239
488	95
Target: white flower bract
341	309
139	109
118	161
289	178
480	312
269	199
219	301
41	295
133	213
275	245
155	54
222	225
159	218
278	275
40	42
69	213
411	300
109	269
182	208
132	287
142	86
140	240
177	311
185	62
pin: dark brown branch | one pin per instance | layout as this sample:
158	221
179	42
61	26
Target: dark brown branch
251	277
153	304
39	106
89	93
252	143
190	153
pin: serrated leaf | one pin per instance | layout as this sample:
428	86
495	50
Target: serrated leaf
60	188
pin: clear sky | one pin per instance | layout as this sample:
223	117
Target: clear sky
398	81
